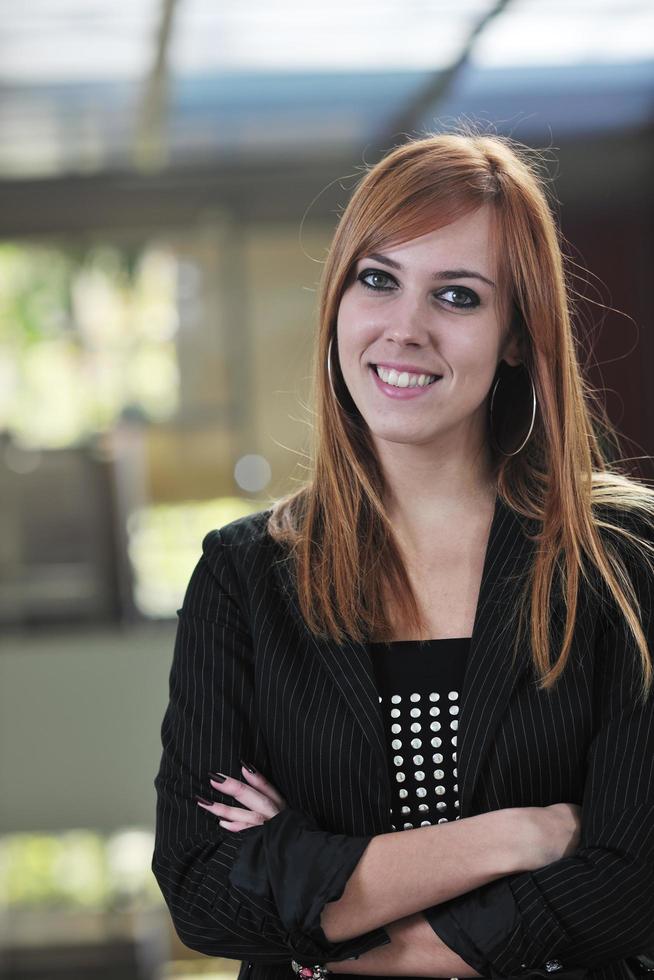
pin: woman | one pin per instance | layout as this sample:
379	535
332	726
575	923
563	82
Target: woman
410	722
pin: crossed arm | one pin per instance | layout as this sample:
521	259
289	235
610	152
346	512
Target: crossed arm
391	884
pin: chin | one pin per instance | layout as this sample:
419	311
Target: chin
401	437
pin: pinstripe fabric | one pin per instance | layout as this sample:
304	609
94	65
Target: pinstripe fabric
248	680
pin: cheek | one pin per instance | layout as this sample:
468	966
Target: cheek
355	329
477	351
474	366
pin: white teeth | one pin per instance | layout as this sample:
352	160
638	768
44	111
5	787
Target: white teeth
404	380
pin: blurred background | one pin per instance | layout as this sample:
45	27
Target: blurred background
171	173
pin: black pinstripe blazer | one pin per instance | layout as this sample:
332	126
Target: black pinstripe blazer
249	681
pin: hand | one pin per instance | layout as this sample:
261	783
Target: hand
259	798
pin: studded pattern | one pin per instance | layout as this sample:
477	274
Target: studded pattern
419	688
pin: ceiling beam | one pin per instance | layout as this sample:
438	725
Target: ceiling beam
151	143
286	190
438	84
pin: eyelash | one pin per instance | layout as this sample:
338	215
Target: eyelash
474	299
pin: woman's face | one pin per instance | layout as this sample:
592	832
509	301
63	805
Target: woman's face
427	307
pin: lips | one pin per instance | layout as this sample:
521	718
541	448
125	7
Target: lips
408	392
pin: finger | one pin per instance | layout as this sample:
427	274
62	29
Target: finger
259	782
231	813
232	825
245	794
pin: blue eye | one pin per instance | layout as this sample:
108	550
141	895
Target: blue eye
471	297
374	272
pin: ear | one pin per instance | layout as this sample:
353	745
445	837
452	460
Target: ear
512	353
512	348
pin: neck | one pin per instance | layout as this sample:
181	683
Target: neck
425	490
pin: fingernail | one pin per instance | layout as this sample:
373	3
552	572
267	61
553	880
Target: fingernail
201	799
218	776
247	766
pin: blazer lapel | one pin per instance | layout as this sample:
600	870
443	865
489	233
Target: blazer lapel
349	668
489	677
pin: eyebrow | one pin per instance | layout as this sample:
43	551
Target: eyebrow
443	274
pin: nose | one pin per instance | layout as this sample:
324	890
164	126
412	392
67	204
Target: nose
409	323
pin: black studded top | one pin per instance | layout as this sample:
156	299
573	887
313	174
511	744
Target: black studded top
419	686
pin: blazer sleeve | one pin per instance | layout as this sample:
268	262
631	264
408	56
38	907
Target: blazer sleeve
596	906
254	894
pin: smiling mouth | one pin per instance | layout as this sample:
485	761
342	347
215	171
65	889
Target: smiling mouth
408	379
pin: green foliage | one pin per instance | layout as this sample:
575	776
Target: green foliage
77	869
86	336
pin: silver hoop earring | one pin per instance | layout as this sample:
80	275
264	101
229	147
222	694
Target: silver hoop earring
531	424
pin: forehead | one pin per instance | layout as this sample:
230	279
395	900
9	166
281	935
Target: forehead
469	238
